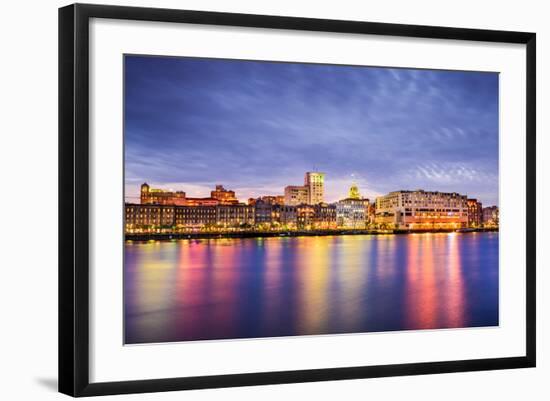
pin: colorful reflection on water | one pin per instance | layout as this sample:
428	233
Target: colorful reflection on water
267	287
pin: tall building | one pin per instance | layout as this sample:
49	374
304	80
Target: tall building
296	195
315	183
311	193
421	209
475	213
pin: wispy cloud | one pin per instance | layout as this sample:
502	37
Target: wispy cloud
257	126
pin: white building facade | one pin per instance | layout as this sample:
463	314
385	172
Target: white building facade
422	210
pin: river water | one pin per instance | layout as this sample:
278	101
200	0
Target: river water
266	287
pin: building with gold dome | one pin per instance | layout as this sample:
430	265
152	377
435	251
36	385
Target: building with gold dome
352	212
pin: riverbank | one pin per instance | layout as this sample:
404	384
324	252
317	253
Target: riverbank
294	233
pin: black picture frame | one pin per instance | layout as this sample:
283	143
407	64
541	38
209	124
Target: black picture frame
74	193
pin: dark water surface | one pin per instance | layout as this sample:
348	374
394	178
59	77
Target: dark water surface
265	287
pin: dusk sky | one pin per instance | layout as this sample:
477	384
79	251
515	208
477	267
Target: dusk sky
256	127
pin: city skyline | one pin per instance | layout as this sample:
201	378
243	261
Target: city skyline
207	193
256	126
303	210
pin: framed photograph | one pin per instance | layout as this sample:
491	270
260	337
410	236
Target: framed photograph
250	199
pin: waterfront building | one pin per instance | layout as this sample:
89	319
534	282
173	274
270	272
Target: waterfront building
296	195
324	216
224	196
475	213
371	214
166	211
319	216
195	217
421	209
304	216
352	212
149	218
285	216
315	182
240	215
490	216
263	212
165	218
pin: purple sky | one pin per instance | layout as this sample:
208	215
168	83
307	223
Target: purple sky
256	127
